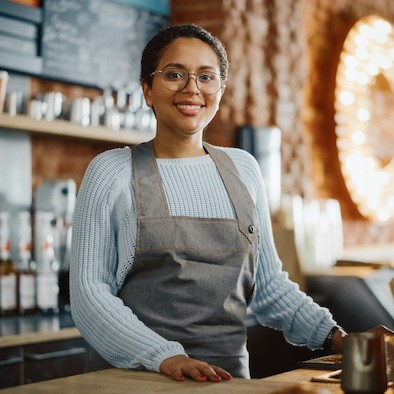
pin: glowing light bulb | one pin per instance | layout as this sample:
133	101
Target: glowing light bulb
382	178
383	214
351	75
372	69
346	97
362	190
358	137
362	78
351	61
363	115
390	202
360	40
382	26
366	31
380	61
373	202
362	53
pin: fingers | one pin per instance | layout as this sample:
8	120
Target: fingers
222	373
180	367
201	371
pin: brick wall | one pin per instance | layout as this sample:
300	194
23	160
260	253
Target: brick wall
61	158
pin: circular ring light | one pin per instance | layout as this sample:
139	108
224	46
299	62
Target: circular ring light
364	116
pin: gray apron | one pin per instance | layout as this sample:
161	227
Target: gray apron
193	278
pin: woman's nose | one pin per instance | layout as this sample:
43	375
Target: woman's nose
192	86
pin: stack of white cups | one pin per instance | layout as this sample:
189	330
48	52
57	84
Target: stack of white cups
318	230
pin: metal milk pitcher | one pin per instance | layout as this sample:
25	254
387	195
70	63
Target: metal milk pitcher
363	364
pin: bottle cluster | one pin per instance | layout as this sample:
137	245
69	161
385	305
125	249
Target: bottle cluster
28	285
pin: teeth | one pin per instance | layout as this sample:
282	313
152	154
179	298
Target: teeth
189	106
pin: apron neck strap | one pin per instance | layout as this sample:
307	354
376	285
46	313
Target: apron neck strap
239	195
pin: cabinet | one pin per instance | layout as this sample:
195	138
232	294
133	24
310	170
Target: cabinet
53	360
270	353
11	366
42	361
68	129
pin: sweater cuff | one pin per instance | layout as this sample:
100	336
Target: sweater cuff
321	335
153	360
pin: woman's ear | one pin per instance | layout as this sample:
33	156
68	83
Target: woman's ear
146	89
222	89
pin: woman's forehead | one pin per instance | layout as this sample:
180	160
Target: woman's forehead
189	52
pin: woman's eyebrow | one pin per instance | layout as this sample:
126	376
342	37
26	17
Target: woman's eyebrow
179	65
176	65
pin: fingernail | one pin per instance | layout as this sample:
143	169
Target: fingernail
228	376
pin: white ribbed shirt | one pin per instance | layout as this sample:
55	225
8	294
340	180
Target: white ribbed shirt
103	246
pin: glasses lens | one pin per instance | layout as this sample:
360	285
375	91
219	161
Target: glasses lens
208	82
176	79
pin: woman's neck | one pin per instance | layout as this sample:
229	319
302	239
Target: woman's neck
190	147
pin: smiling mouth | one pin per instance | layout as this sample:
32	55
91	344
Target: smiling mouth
189	107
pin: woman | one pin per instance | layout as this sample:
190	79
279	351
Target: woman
172	239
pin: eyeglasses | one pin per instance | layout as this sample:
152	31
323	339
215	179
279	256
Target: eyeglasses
176	79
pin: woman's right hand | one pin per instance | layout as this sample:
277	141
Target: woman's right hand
180	367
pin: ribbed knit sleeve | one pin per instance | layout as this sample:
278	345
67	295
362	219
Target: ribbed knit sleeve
104	222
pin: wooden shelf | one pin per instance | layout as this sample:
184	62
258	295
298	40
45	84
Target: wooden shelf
68	129
38	337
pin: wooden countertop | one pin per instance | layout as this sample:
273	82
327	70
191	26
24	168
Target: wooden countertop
117	381
353	271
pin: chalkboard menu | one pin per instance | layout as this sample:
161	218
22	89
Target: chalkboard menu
95	42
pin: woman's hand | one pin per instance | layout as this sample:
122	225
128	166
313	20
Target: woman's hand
337	341
180	367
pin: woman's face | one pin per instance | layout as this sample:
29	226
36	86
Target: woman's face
188	111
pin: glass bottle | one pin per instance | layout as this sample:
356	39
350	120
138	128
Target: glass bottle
47	268
8	296
25	266
62	252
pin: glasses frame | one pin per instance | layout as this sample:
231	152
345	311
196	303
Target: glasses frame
187	81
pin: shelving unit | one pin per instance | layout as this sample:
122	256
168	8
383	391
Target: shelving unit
68	129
